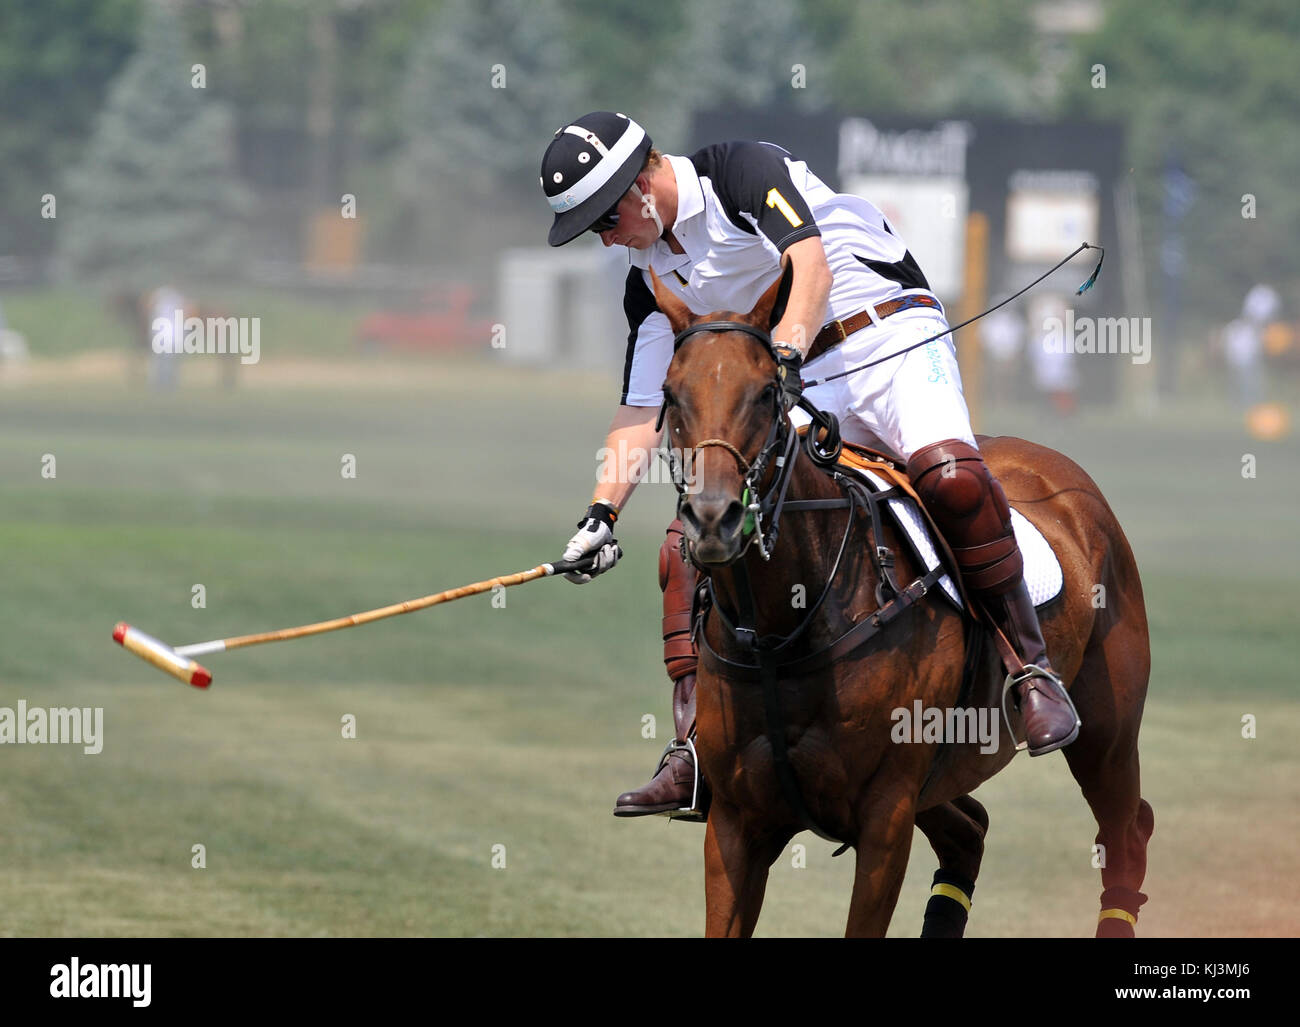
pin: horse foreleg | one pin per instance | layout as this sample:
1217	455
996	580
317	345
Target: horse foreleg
882	850
736	862
956	832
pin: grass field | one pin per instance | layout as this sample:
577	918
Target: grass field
480	726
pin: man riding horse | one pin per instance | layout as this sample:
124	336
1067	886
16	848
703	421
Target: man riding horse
718	227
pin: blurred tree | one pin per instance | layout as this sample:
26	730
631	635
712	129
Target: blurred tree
929	57
1220	89
620	45
155	198
486	80
56	57
741	53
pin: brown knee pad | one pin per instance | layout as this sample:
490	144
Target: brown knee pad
678	579
971	509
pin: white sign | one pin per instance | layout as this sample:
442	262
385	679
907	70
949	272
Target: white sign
1050	213
930	215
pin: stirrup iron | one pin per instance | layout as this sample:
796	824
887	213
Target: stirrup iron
690	813
1032	670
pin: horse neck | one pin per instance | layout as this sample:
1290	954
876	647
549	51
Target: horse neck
804	556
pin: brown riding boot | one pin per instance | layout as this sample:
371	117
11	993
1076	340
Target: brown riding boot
970	508
1051	721
674	785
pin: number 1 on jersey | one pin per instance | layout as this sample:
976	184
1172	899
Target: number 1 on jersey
775	199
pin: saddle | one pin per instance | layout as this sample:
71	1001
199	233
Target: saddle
881	470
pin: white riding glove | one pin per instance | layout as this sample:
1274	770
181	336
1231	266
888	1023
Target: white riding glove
595	535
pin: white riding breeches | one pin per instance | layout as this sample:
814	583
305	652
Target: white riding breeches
904	403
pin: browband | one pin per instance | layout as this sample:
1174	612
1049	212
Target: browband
722	326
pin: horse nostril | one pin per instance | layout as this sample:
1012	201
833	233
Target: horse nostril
717	516
687	514
731	519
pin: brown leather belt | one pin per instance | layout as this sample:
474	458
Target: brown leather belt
836	332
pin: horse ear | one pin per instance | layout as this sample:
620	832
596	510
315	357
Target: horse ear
678	313
769	310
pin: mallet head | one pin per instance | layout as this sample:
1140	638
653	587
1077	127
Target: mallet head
161	655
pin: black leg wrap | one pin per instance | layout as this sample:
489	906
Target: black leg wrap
1123	900
945	916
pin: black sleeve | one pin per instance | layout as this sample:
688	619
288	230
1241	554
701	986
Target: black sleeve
753	179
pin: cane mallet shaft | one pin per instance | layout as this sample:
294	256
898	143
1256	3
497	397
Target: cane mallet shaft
179	664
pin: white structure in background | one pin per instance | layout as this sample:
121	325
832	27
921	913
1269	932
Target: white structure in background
13	355
13	351
563	306
917	178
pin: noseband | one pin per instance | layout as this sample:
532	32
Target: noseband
762	512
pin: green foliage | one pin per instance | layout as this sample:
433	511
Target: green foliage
1220	88
737	53
930	57
487	80
155	198
56	57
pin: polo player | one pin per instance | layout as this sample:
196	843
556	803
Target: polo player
718	227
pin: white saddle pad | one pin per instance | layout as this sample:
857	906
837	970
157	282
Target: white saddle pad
1042	569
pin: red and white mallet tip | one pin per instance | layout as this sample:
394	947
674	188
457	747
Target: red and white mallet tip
161	655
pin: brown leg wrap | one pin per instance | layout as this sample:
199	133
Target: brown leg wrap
678	580
671	788
970	508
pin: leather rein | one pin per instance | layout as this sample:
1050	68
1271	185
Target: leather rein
770	654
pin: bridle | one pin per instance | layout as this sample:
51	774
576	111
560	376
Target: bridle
779	450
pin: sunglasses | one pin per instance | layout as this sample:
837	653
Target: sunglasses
607	220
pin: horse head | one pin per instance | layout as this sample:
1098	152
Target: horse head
723	412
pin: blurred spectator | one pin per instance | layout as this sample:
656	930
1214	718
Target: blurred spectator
1003	336
1243	342
13	348
1261	305
1052	360
166	307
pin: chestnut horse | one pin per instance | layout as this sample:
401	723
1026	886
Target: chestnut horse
722	406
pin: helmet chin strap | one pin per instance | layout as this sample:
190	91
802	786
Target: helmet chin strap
654	213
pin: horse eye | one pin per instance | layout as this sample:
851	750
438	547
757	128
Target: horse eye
768	395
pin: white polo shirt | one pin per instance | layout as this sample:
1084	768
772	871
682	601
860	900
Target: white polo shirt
739	206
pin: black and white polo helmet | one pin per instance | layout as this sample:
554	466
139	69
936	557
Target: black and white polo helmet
587	168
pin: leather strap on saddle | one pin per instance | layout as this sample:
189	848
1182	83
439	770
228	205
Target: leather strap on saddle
864	458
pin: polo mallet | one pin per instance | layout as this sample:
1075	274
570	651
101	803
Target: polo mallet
179	664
